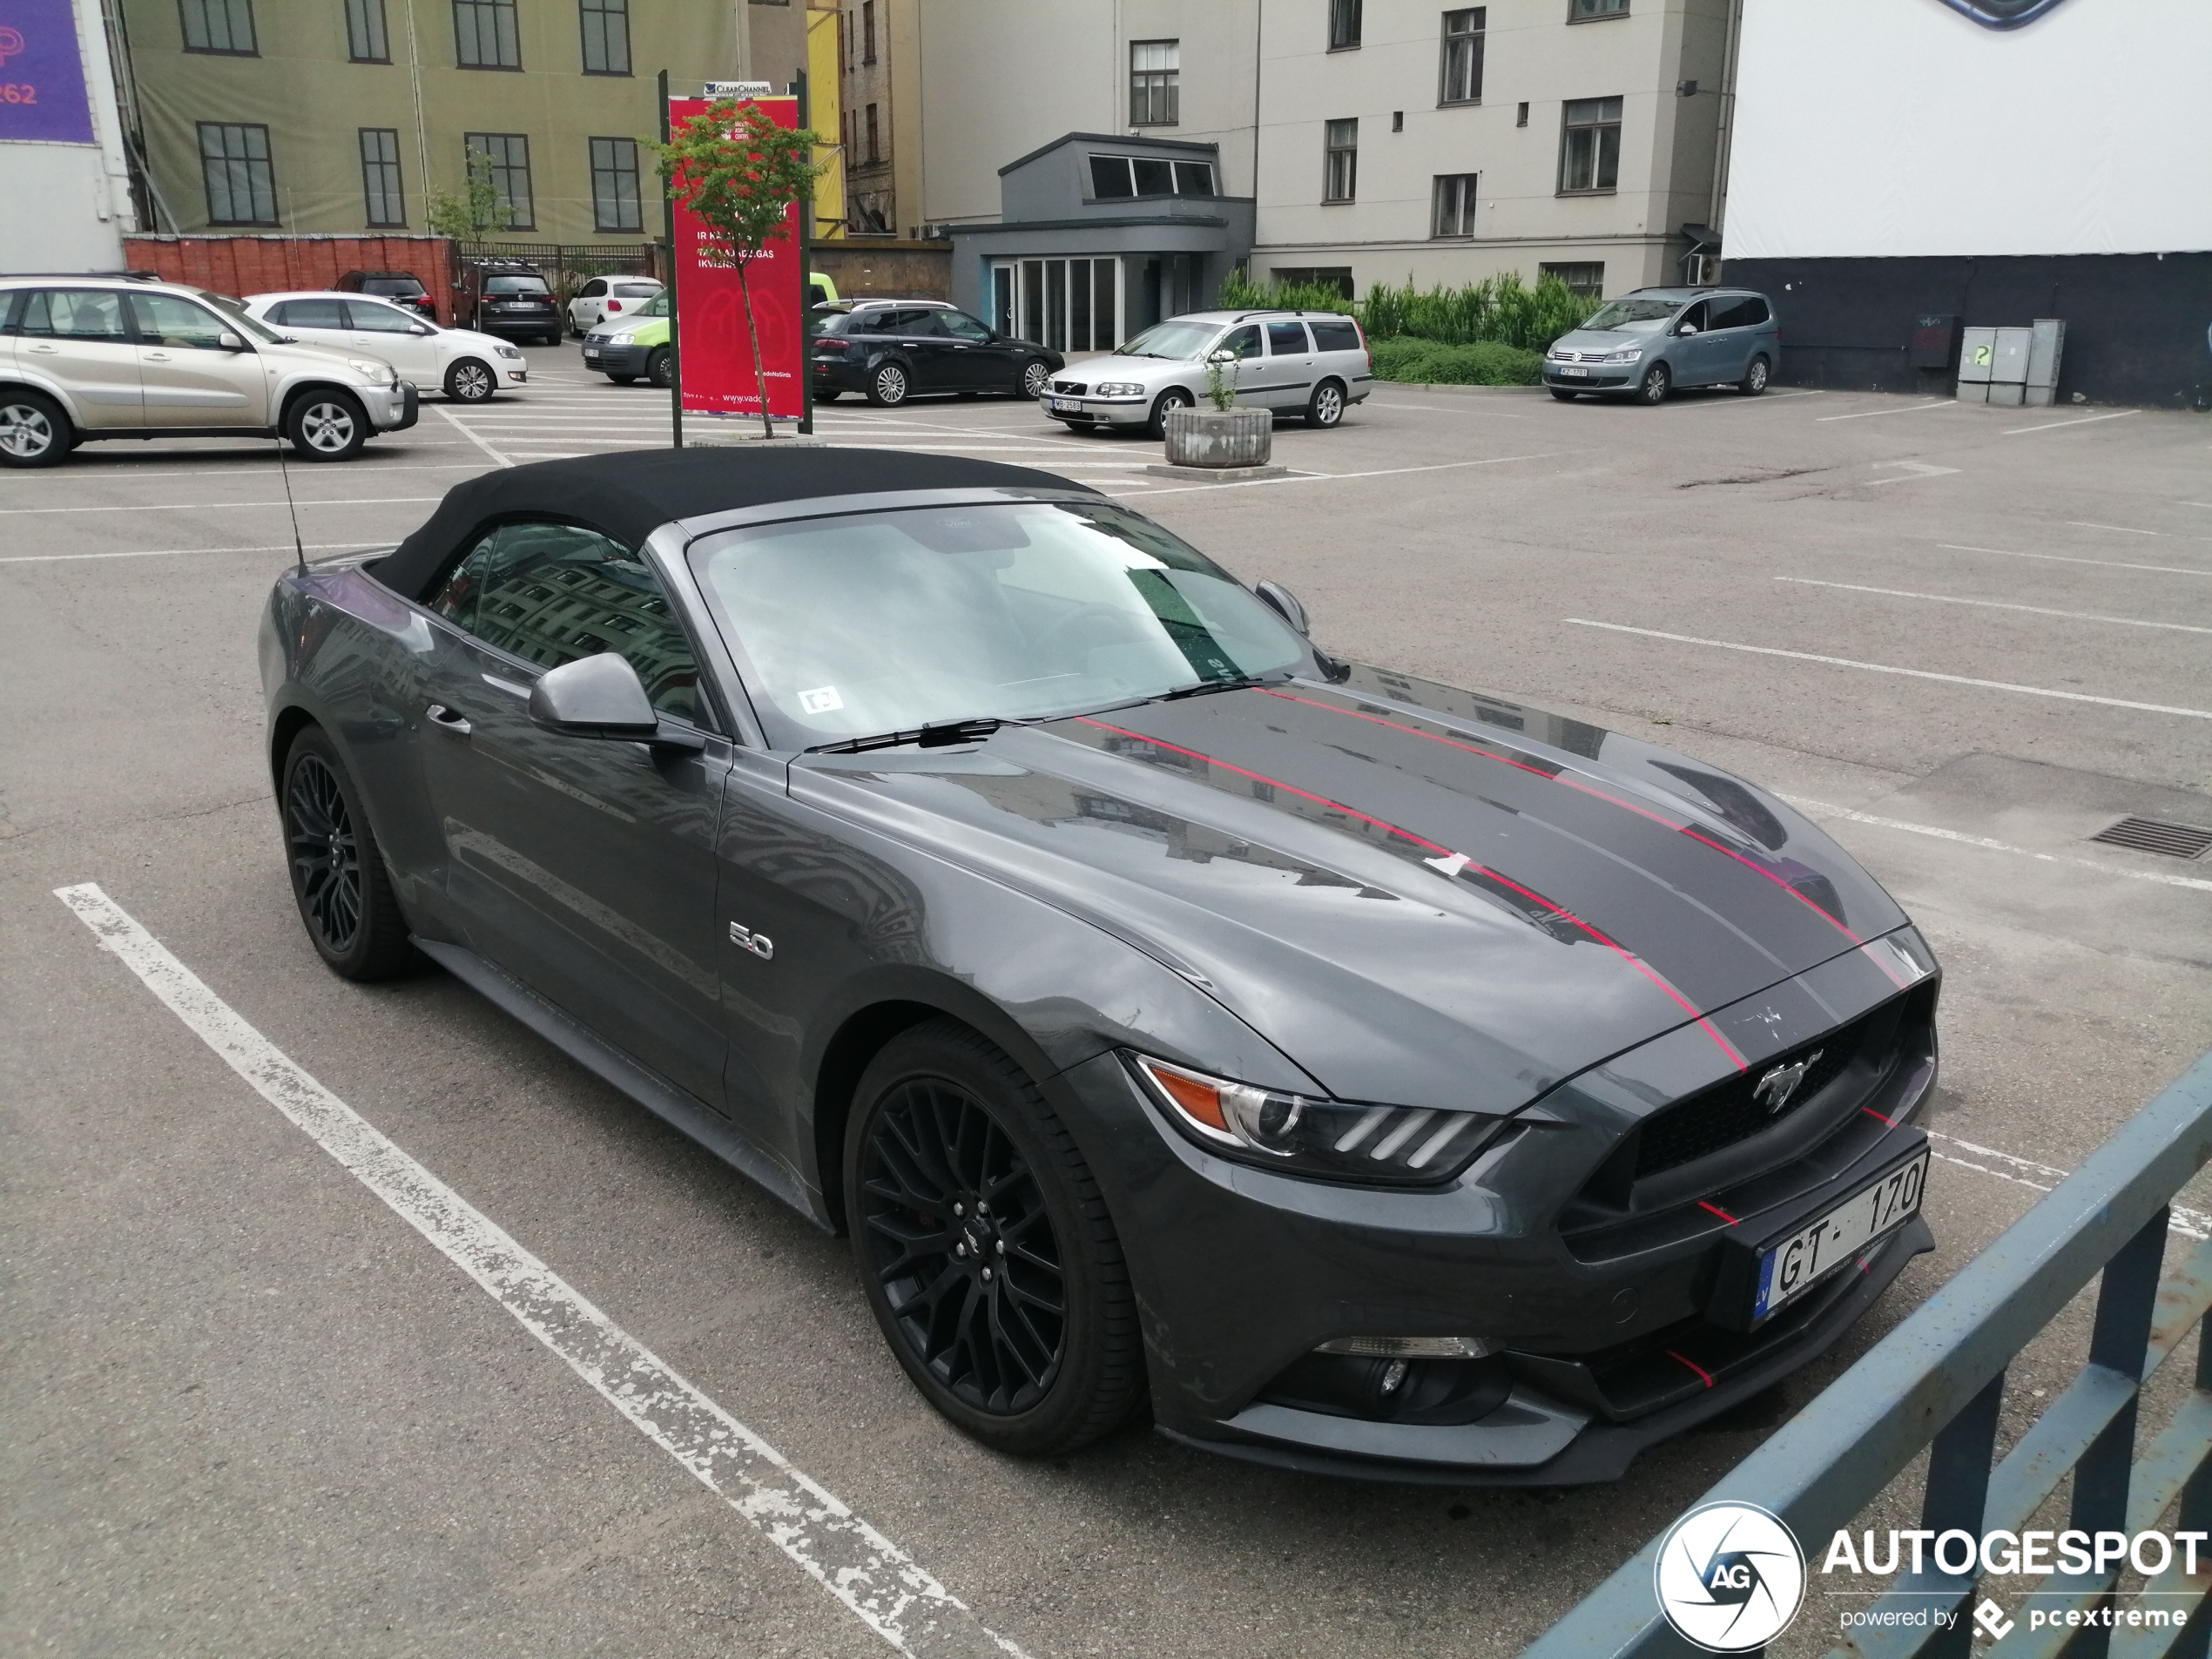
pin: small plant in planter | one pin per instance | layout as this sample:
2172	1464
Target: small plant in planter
1223	436
1221	389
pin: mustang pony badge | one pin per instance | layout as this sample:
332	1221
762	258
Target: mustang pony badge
1780	1083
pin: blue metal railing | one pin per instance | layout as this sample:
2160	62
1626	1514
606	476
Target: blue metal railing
1937	1381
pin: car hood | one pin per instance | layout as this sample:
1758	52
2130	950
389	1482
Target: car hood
1610	339
1419	895
454	340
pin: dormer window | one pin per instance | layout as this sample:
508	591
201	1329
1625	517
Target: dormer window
1128	178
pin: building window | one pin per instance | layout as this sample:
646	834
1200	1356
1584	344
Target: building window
875	137
1343	24
614	184
1454	203
1340	161
509	172
381	177
1154	92
234	160
1520	119
219	26
1584	10
867	31
606	36
1459	80
1122	177
365	41
1585	281
483	35
1589	149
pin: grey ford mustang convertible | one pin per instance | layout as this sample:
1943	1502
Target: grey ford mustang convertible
1362	1074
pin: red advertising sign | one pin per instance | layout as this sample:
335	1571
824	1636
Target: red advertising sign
714	353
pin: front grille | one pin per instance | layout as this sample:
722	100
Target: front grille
1070	388
1732	1111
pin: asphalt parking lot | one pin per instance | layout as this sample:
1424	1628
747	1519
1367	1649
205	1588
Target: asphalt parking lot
250	1411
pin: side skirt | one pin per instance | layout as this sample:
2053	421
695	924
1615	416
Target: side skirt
611	1065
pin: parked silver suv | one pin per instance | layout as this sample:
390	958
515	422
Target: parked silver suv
1646	343
116	357
1313	363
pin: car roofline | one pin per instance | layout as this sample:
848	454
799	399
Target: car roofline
874	502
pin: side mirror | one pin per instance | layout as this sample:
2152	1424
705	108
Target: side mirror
1686	329
1222	356
1284	604
230	341
602	697
422	331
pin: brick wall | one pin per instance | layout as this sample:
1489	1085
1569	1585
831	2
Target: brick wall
243	264
877	265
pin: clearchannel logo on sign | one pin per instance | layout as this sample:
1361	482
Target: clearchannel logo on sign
1729	1577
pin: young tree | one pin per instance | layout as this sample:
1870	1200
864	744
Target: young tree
740	173
476	212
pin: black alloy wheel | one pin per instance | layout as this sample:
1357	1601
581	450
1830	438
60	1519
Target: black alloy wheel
471	381
1658	381
1755	378
338	876
1174	397
1325	406
659	369
326	426
985	1246
33	430
1033	376
888	385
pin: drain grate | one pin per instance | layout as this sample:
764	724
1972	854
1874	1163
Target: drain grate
2152	835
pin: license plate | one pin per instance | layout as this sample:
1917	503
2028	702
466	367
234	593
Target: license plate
1797	1263
1067	406
1578	372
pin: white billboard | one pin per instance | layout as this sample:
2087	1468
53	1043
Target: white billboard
1900	128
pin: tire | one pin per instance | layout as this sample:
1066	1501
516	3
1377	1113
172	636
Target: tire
992	1354
33	430
471	380
1755	378
1035	374
1325	408
623	380
659	368
553	339
326	426
1174	397
339	881
1658	381
888	385
1565	395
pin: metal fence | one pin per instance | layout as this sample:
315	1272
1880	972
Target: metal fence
569	266
1937	1381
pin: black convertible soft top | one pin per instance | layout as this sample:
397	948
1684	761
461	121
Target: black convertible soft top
630	495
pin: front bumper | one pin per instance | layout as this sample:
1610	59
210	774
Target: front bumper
394	408
1097	411
615	357
1607	377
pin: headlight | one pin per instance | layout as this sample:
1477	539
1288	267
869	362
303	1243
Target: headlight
375	373
509	351
1119	388
1307	1135
1622	356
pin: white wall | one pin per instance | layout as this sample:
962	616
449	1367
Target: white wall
1899	128
66	205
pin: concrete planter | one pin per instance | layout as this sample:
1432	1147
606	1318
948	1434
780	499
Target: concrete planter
1219	438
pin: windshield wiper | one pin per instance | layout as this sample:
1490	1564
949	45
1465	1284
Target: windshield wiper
1205	687
942	736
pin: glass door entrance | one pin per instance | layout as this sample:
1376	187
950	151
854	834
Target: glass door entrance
1069	305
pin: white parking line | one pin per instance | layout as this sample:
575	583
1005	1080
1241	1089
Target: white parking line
79	477
1996	604
1913	470
1383	472
2067	558
2190	1223
2052	426
1886	668
174	552
887	1587
206	506
1819	808
461	427
2081	524
1861	415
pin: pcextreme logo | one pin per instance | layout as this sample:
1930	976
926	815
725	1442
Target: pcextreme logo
1729	1577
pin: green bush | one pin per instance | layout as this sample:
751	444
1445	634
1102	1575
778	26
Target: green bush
1428	362
1502	308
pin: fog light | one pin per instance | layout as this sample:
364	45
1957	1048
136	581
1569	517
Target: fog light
1414	1347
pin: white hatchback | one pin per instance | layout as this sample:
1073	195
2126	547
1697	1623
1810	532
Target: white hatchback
468	366
608	298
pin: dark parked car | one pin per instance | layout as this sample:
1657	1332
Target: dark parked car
400	288
1374	1077
510	298
890	353
1647	344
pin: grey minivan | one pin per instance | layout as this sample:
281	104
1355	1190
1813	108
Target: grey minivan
1646	343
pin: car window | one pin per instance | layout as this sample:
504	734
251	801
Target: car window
919	324
636	290
406	287
1741	311
1637	315
371	318
1176	341
960	325
515	285
1693	318
869	623
1286	339
164	320
63	313
552	593
1241	342
592	289
310	313
1334	336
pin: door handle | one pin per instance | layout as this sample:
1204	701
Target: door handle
447	720
47	350
158	357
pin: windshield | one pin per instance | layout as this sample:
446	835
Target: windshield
251	327
1181	342
655	306
873	623
405	286
1634	314
515	285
